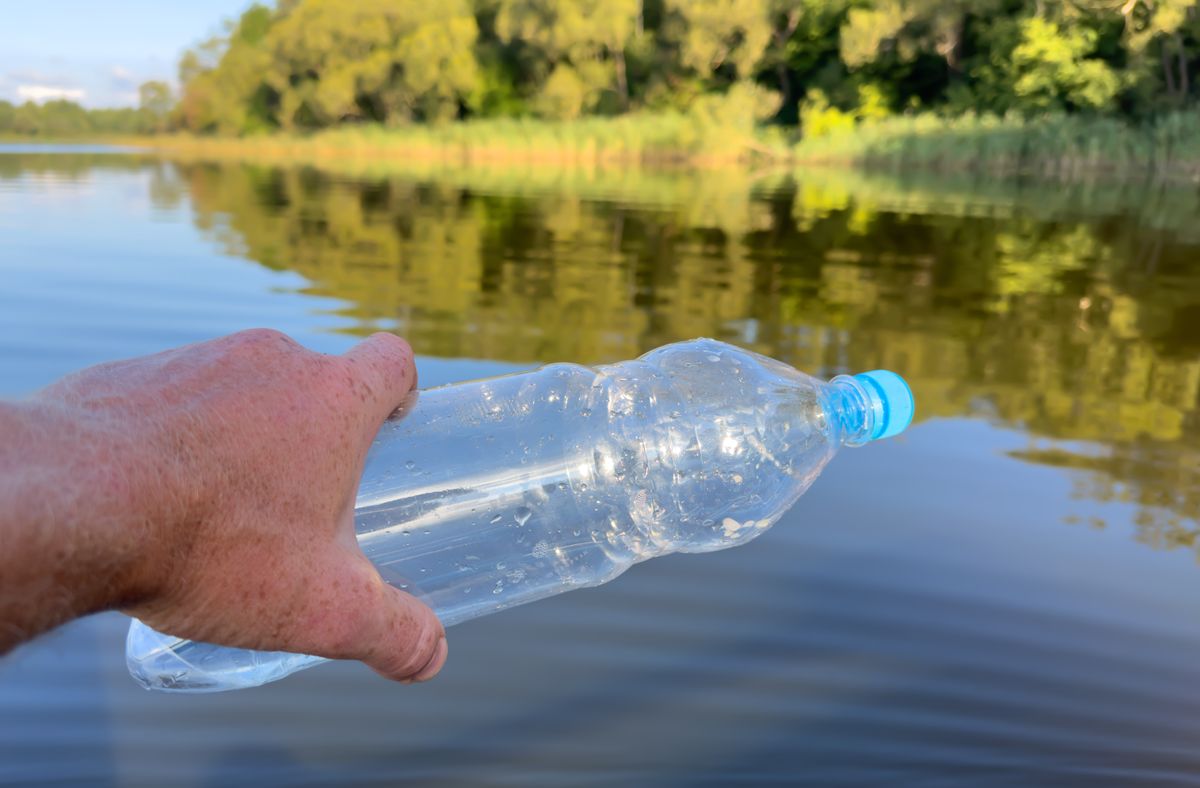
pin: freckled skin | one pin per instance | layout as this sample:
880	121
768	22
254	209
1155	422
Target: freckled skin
209	490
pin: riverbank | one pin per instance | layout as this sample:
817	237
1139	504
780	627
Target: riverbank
654	140
1060	147
1051	147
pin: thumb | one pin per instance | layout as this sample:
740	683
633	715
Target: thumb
383	362
390	630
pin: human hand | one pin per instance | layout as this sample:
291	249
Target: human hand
239	460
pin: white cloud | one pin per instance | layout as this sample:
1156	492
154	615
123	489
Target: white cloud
48	93
122	77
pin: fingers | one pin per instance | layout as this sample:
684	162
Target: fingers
384	363
409	642
391	631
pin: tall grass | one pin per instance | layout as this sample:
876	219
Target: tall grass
1049	147
631	139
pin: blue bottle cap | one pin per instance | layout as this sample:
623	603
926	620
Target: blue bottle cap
891	399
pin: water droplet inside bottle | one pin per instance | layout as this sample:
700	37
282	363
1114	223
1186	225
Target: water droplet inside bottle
713	357
410	464
522	514
496	519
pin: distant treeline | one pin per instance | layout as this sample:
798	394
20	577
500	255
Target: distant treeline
824	64
62	118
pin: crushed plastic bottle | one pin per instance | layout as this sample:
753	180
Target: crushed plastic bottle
484	495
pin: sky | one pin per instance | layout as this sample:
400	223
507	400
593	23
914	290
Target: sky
97	52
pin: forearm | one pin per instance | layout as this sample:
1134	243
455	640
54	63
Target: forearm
74	509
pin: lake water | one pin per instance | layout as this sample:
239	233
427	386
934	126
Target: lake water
1008	594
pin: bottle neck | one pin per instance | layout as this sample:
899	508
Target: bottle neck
852	407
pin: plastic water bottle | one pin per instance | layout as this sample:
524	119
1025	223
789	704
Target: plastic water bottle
481	496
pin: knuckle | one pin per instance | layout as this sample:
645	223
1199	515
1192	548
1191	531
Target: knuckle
392	342
390	351
258	339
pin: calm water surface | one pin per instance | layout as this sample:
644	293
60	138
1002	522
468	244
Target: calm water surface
1009	594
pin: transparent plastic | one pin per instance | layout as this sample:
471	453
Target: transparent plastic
485	495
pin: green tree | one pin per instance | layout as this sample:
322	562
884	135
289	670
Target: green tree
1041	65
61	118
224	89
579	44
910	52
804	41
718	41
907	28
7	115
154	102
1170	27
871	31
318	63
344	60
565	94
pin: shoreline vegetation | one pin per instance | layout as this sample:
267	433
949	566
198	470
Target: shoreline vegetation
1049	148
718	191
1052	91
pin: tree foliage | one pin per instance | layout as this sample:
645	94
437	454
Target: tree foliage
574	48
308	64
330	61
